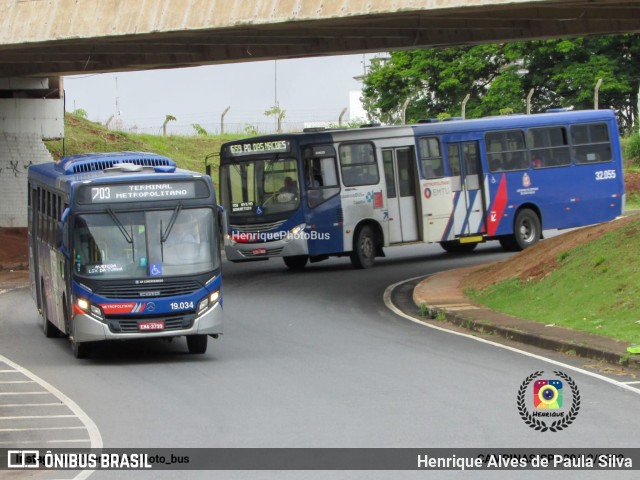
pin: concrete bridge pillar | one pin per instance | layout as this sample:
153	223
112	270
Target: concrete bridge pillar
31	110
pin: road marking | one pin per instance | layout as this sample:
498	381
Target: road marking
37	429
37	416
389	304
88	424
23	393
40	442
17	381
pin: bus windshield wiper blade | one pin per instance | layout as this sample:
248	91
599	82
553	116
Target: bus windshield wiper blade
165	234
127	236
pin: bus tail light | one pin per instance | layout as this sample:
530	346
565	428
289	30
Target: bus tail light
209	301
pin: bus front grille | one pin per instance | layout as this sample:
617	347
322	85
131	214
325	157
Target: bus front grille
262	227
152	290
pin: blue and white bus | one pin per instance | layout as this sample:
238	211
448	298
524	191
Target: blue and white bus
307	196
124	246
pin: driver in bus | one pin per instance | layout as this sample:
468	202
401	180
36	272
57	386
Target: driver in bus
289	186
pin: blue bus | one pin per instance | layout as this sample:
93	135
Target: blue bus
124	246
311	195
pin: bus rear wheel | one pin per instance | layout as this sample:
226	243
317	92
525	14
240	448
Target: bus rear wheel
197	344
527	231
296	262
364	249
49	329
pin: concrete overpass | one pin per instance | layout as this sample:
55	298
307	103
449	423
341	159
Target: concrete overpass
42	40
62	37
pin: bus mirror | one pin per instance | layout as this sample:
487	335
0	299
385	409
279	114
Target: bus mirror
222	222
62	234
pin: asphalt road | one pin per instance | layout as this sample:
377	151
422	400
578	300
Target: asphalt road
316	359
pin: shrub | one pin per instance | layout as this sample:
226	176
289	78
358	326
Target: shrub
631	149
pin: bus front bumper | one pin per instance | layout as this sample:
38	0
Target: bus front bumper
239	252
89	329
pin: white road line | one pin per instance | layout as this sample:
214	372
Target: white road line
37	429
40	442
91	427
37	416
630	383
33	405
17	381
397	311
25	393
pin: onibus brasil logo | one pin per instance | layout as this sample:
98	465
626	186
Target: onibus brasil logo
549	398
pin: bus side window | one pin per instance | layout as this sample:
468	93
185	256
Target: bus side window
358	164
321	178
591	143
431	158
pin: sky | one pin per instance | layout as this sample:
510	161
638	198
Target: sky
308	90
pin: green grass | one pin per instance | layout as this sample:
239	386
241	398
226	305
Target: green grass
83	136
596	289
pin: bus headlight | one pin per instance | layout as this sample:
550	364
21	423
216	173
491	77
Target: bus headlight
83	306
297	229
209	301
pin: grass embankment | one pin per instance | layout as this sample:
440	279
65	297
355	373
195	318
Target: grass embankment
592	287
83	136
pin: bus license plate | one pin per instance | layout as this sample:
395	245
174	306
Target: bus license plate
157	325
259	251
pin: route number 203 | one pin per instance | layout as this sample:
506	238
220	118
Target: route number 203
605	174
100	193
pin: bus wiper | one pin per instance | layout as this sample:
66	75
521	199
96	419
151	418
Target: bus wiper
127	236
172	221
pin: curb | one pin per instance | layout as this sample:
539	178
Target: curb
461	311
593	353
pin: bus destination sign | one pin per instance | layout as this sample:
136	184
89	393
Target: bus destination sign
138	192
277	146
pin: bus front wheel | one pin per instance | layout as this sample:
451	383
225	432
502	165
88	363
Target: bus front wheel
80	350
364	251
197	343
527	231
296	262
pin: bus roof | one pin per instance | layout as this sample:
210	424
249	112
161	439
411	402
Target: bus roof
91	166
502	122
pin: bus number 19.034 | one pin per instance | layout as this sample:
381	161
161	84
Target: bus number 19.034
181	305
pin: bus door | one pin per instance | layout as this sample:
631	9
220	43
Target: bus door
466	184
399	172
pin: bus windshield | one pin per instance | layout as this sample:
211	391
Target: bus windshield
137	244
261	187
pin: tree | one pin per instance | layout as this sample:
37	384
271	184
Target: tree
80	112
278	113
562	73
200	131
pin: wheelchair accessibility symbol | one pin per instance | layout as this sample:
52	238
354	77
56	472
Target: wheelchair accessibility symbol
155	269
